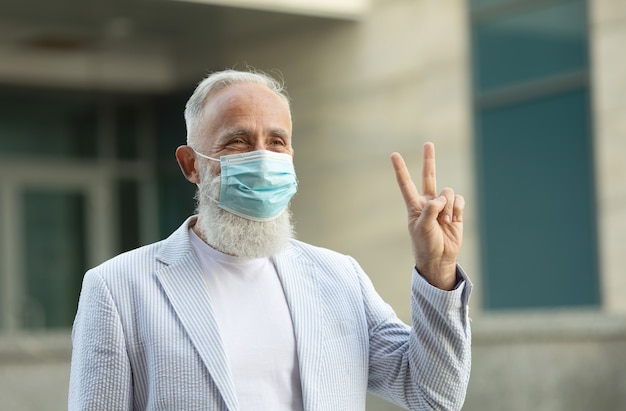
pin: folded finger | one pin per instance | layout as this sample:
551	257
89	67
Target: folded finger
459	206
446	214
433	208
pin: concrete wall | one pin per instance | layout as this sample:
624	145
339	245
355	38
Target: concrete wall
608	35
553	361
34	371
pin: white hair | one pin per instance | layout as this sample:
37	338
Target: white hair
219	80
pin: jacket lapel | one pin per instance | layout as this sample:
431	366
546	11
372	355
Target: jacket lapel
183	282
299	279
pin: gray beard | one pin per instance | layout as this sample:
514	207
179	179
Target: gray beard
234	235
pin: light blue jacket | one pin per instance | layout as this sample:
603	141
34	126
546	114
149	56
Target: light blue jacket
146	338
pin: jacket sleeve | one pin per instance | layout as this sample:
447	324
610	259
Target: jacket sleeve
100	376
426	366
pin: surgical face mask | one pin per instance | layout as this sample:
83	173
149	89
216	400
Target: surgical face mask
256	185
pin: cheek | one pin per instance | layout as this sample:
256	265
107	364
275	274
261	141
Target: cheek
209	171
215	170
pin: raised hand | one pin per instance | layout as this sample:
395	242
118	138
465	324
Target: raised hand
435	221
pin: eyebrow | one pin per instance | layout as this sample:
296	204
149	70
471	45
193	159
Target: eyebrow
231	133
280	132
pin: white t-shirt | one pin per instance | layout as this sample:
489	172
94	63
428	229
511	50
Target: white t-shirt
256	328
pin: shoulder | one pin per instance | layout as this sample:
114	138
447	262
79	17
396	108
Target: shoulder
130	263
328	263
136	256
147	259
320	254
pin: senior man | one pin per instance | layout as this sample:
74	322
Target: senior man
232	313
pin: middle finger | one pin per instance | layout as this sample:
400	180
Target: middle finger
429	177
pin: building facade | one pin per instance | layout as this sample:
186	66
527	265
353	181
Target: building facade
522	99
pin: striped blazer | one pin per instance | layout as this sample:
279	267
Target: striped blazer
145	335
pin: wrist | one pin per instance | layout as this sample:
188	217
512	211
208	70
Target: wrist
443	277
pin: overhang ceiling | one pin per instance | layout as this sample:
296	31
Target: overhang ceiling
136	44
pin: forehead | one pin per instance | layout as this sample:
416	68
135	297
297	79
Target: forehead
246	101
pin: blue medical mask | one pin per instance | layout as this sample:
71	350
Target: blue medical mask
256	185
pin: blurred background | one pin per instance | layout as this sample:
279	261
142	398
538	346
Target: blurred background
524	100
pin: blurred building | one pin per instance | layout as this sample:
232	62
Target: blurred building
523	99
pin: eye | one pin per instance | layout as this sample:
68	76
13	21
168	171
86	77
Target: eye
278	142
236	141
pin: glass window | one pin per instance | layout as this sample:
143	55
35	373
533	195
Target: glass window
538	211
128	210
46	124
176	194
533	139
127	120
54	256
50	206
3	274
176	198
534	43
170	126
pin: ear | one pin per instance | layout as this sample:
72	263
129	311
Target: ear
187	161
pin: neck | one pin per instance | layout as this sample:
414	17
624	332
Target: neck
196	230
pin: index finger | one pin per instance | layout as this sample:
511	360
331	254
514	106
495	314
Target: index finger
407	188
429	176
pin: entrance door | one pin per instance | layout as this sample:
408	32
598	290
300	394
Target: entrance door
55	223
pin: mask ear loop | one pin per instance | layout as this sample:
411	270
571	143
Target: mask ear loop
208	158
205	156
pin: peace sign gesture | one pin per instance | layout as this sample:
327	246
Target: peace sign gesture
435	221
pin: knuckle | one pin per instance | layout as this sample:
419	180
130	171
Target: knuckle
447	191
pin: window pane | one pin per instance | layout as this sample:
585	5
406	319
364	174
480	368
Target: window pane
128	197
170	125
3	274
176	201
127	118
536	43
54	256
538	211
176	195
47	124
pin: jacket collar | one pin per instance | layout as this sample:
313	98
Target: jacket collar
183	282
299	278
